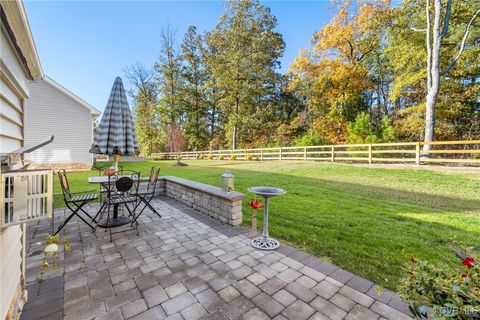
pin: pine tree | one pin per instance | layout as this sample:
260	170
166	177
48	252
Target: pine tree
244	67
193	90
168	75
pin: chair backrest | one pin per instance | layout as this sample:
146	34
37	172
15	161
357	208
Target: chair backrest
124	184
62	177
152	182
123	181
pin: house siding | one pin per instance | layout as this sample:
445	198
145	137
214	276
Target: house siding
13	91
13	82
50	111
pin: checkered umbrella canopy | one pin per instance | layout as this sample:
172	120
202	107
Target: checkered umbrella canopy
116	133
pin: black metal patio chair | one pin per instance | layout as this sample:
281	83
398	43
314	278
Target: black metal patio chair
146	194
75	201
121	190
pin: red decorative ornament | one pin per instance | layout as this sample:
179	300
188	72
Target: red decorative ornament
469	262
255	204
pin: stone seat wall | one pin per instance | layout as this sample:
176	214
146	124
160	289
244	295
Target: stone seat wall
210	200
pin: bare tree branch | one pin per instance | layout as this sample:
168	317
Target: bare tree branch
447	19
429	46
462	45
140	77
418	30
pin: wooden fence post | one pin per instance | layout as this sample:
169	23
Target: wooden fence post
261	154
333	153
305	153
280	153
417	153
370	154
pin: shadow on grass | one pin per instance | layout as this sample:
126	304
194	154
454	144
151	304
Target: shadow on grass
368	230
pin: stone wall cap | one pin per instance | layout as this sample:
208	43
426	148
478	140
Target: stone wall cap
215	191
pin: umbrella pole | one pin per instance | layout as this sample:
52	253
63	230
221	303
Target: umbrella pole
116	159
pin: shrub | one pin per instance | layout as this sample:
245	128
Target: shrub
200	157
221	157
451	290
233	157
210	157
249	157
362	131
309	140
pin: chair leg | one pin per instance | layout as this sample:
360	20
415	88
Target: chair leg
147	204
74	213
108	216
101	208
64	223
79	208
101	212
86	213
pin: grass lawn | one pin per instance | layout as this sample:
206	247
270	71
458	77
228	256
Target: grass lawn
365	220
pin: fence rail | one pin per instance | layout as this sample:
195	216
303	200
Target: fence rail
462	152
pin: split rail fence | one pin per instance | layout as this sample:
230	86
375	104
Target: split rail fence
461	152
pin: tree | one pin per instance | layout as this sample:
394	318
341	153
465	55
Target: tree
362	131
335	75
434	36
176	142
168	69
144	94
212	94
433	43
244	67
408	53
194	78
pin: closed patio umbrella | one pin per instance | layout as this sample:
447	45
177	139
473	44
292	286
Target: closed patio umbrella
116	133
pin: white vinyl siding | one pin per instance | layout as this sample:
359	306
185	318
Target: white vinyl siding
10	265
13	91
50	111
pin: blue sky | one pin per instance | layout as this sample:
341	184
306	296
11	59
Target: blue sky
84	45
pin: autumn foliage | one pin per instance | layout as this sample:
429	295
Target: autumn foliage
362	79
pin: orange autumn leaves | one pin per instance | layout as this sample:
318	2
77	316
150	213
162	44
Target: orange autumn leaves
334	73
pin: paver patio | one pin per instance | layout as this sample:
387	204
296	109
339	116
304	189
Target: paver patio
187	265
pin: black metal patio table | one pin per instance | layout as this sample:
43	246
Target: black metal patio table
116	221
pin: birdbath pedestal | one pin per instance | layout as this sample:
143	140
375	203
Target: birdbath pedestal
264	242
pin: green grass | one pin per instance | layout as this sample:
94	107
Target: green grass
365	220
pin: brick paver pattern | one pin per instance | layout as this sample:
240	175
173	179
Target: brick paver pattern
188	266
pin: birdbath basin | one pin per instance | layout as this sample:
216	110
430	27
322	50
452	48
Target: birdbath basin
263	241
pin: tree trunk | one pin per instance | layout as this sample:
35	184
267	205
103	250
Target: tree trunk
433	73
234	142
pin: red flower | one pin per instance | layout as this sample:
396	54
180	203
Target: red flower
469	262
255	204
412	259
465	275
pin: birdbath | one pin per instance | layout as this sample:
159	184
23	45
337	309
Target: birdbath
264	242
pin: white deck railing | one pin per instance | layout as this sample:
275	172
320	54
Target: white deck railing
26	196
